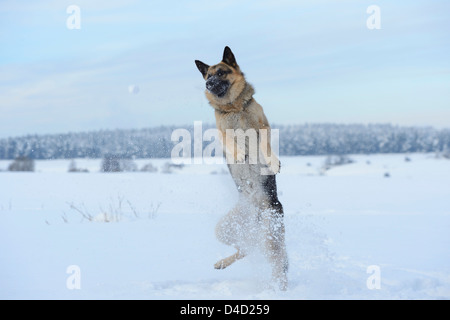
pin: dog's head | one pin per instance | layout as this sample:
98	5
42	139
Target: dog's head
223	78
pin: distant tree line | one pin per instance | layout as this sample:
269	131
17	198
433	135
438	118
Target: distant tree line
304	139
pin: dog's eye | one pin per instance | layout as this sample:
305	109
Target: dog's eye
220	73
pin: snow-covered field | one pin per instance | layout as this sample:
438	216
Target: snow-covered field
141	235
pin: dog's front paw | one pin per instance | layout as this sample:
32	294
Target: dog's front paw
275	165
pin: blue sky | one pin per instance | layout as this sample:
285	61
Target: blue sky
310	61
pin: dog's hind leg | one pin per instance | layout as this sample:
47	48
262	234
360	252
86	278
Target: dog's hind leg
232	230
272	218
274	243
277	256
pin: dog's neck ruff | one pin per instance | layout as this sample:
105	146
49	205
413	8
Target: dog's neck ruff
239	104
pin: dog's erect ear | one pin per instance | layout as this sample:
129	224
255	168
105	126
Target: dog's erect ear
228	57
202	67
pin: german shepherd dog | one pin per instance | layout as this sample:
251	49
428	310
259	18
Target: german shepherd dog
257	219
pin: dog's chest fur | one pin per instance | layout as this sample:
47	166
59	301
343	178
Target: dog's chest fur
247	177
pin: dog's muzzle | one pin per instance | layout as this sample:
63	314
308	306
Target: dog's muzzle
217	86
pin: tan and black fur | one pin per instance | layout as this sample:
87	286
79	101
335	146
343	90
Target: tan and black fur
257	219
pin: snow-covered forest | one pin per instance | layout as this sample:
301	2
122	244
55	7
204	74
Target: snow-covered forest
303	139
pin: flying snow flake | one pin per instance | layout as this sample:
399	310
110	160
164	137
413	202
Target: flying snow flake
133	89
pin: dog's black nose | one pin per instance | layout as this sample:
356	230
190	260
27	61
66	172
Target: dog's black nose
211	82
209	85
